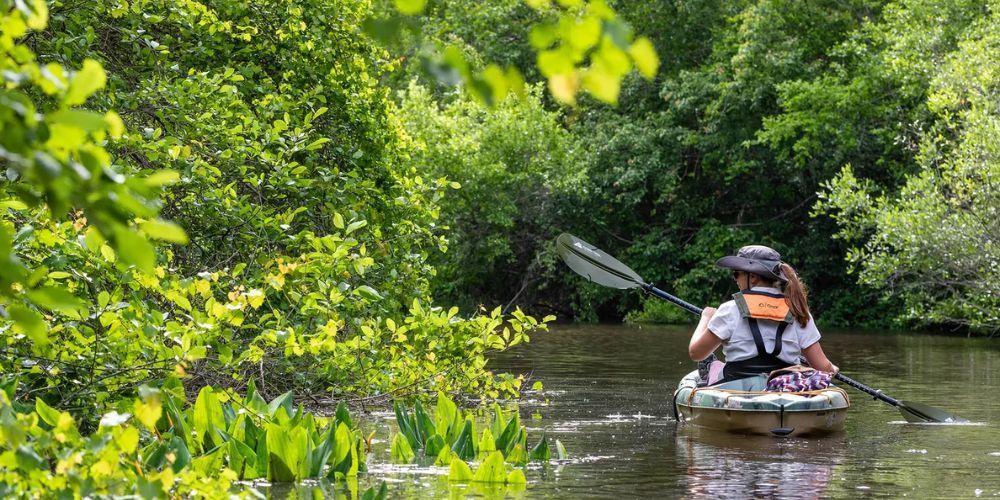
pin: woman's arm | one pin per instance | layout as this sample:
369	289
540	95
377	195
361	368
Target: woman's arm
703	341
817	358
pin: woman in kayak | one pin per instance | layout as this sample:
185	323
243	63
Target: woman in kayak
767	326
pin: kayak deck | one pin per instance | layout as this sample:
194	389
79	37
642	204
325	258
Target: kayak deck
743	407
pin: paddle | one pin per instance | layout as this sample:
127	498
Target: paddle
592	263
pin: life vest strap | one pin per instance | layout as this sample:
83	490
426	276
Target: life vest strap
758	339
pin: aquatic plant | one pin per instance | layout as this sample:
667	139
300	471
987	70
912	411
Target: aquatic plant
450	437
158	445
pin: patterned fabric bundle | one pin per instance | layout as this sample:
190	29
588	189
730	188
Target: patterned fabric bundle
798	380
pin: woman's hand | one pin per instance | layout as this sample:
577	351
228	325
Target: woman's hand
708	312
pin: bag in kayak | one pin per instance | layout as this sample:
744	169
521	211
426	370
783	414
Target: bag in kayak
798	378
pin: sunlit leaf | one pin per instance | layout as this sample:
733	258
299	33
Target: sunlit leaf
134	249
165	231
89	79
31	324
564	87
410	7
401	451
58	299
491	470
459	471
644	55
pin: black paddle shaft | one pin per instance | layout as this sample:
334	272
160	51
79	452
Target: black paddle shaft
670	298
875	393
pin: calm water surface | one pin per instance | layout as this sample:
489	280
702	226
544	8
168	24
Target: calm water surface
607	394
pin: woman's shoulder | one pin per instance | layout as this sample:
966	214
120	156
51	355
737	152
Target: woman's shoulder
727	309
729	304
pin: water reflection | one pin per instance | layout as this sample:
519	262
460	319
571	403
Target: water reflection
719	465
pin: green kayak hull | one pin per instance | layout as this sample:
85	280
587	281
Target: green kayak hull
742	407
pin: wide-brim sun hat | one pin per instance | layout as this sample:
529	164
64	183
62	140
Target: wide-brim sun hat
756	259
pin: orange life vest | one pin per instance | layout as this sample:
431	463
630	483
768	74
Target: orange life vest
762	305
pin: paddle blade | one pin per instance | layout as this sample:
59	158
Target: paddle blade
920	413
592	263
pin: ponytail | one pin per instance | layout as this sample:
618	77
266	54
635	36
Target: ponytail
796	295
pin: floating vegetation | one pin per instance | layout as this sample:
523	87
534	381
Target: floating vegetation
450	438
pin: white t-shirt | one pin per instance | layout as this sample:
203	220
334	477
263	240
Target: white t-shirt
737	340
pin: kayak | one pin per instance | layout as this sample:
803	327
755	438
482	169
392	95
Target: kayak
743	407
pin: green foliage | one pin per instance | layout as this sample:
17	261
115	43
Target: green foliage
56	160
502	442
760	106
515	168
580	45
157	447
933	241
308	239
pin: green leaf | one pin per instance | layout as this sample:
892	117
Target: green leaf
48	414
401	451
405	424
517	455
644	55
516	476
28	459
318	143
368	292
463	445
486	443
207	415
554	62
343	415
89	79
354	226
492	470
443	456
508	438
343	444
561	451
162	178
585	34
31	324
459	471
542	36
434	445
338	220
165	231
93	239
282	401
447	417
134	249
423	422
59	299
541	450
410	7
88	121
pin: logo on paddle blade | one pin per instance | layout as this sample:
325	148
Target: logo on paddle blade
579	245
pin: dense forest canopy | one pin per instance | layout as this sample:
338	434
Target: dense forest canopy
855	137
225	199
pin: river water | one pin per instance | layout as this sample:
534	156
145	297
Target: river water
606	396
